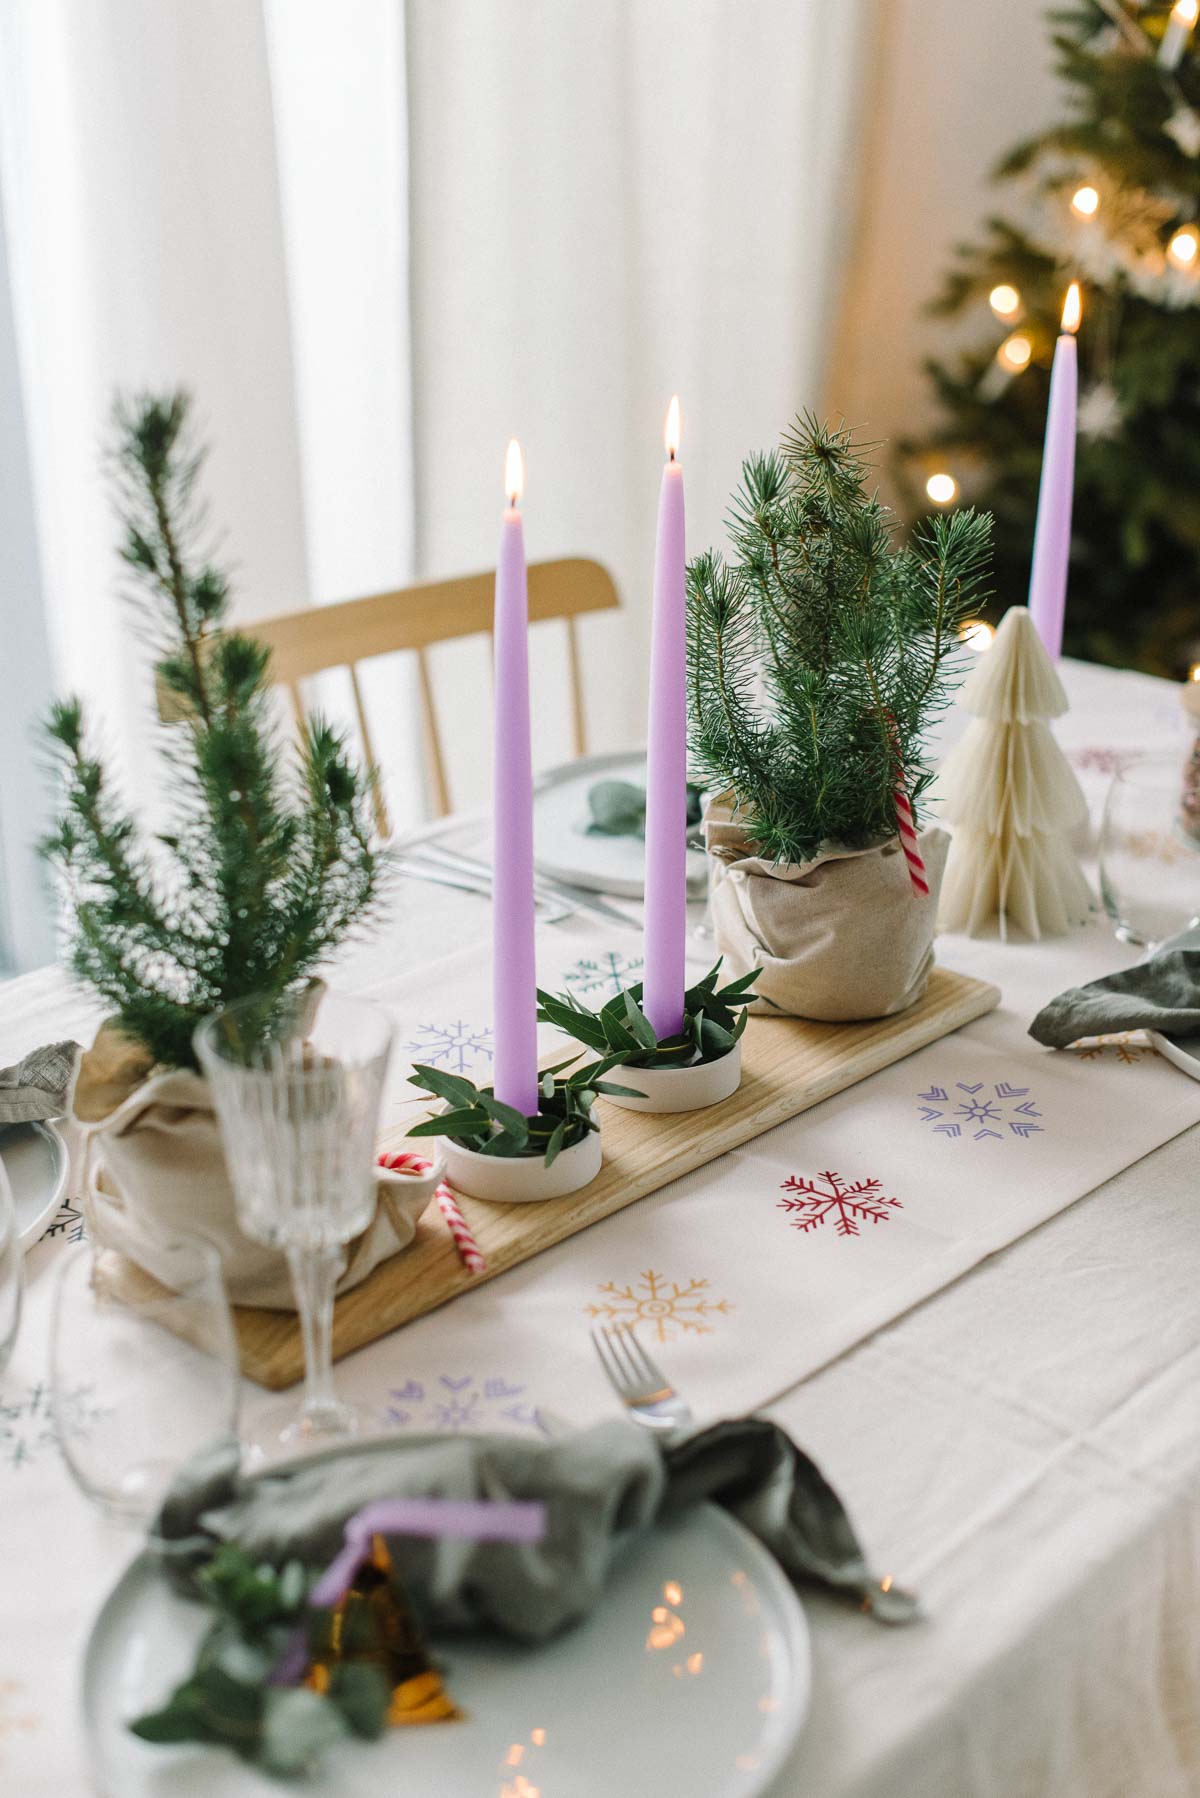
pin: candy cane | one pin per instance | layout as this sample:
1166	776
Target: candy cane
907	831
468	1249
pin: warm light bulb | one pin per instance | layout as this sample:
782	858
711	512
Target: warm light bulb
1194	671
1004	301
976	634
514	473
1072	310
941	488
671	428
1014	352
1086	202
1183	247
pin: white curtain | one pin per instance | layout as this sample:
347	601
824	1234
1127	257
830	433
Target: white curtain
612	203
377	240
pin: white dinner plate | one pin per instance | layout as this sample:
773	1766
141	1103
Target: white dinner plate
1184	1051
598	1712
37	1165
565	850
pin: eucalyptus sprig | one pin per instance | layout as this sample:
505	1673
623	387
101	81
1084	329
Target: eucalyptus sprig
713	1020
230	1698
479	1121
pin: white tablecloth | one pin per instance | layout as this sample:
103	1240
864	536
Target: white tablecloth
1023	1447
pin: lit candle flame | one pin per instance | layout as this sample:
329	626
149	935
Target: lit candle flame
1085	202
514	473
1073	304
1186	12
671	428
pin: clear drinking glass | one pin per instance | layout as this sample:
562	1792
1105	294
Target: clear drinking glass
10	1272
142	1375
297	1097
1149	863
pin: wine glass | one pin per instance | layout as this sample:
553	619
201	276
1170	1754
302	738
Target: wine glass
297	1096
1149	861
142	1375
10	1271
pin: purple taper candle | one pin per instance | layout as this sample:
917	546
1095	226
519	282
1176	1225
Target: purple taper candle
514	974
1052	534
666	758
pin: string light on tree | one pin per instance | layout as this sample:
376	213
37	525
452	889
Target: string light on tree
1085	201
942	488
1005	301
1180	26
1183	247
1014	352
976	635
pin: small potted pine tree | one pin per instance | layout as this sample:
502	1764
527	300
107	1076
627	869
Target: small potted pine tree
267	867
818	655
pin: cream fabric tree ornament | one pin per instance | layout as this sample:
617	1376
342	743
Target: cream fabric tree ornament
1012	797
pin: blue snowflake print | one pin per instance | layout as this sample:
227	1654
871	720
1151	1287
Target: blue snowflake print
27	1428
454	1403
456	1046
609	974
67	1223
970	1109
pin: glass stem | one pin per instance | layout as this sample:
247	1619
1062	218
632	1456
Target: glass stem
315	1276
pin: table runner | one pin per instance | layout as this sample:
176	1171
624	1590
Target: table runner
758	1269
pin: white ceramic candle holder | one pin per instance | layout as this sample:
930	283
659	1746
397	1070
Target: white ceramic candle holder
522	1179
681	1089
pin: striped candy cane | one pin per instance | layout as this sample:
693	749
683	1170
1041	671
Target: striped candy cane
907	830
468	1249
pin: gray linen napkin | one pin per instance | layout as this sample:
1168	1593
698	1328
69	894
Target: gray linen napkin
37	1087
598	1485
1160	994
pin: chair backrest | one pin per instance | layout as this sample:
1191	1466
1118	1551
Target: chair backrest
309	641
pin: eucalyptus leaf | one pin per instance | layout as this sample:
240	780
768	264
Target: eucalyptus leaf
297	1727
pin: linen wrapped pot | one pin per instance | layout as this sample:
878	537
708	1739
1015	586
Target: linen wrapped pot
841	937
155	1168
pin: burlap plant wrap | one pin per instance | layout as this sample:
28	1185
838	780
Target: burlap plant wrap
155	1168
840	937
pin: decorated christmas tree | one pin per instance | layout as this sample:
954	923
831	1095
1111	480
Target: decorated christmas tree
1011	795
1111	195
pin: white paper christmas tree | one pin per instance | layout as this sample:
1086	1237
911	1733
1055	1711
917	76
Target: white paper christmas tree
1012	797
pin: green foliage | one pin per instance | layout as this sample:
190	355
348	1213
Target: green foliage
851	643
477	1120
269	864
1135	554
228	1699
617	808
713	1019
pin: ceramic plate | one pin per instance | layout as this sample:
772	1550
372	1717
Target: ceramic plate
566	851
712	1713
1184	1051
37	1164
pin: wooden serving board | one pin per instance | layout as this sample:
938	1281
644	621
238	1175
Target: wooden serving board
789	1066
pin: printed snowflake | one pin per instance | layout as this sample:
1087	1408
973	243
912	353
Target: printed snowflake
68	1222
814	1204
664	1306
457	1046
27	1425
611	974
1125	1046
460	1402
1003	1111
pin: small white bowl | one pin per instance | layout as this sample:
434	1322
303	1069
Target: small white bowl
522	1179
680	1089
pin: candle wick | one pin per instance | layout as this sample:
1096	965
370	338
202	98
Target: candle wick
671	455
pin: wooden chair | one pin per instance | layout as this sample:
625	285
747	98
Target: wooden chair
351	631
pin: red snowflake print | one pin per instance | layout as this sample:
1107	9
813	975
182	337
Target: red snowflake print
814	1202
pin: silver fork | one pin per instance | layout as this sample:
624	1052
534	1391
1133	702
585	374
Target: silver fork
639	1382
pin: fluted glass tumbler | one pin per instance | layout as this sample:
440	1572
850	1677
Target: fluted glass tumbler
297	1087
